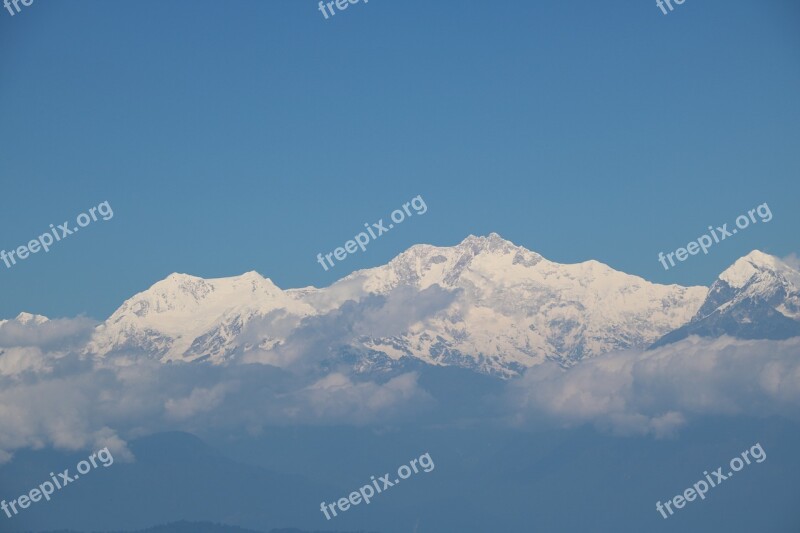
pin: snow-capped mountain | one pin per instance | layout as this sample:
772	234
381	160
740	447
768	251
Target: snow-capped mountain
512	308
758	297
26	319
484	304
188	318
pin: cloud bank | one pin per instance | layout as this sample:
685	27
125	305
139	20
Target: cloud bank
55	395
656	392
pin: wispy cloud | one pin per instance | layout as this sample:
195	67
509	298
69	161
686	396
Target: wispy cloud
792	260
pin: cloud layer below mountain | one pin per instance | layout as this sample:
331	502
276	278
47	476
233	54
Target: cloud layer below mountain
63	399
51	395
658	391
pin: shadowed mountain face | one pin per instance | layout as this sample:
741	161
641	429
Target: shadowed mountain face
756	298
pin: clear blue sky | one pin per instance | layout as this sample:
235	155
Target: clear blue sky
251	135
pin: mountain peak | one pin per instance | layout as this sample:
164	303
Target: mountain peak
187	282
494	243
28	318
758	297
254	280
743	270
493	239
760	258
177	277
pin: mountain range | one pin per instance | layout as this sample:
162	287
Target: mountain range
484	304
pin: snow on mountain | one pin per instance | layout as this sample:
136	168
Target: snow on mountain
515	308
484	304
186	318
758	297
28	318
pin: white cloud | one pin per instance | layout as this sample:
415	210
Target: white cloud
32	347
316	338
51	395
55	411
792	260
656	392
16	361
337	396
59	333
77	404
201	400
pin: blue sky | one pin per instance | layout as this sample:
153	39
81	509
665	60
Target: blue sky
249	135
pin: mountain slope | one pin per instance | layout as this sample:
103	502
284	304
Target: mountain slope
758	297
